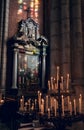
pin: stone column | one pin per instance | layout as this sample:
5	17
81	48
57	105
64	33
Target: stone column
3	41
43	70
14	79
65	39
77	44
77	50
54	36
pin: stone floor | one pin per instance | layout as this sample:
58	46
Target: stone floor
75	126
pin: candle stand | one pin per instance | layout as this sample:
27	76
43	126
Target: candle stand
61	121
58	106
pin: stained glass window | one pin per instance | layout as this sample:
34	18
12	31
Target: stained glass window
32	8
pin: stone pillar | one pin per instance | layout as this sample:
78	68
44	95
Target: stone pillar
54	36
65	39
77	44
14	79
43	71
3	42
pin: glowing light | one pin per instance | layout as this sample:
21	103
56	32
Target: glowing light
19	11
20	1
34	7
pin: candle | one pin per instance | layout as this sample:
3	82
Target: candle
46	102
57	75
74	106
2	101
35	103
49	84
23	99
62	105
52	83
55	107
48	112
42	106
62	82
26	106
21	104
80	104
67	81
39	99
70	106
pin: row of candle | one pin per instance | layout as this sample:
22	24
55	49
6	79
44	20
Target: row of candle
53	84
27	105
49	103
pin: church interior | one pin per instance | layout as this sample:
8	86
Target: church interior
41	65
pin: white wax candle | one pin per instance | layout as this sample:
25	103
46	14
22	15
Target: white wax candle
74	106
42	106
62	105
70	108
62	82
80	104
52	83
57	72
55	107
48	112
46	102
51	102
67	81
21	104
49	84
40	100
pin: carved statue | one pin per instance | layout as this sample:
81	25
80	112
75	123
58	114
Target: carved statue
28	31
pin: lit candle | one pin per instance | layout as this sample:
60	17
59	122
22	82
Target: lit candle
74	106
46	102
70	108
57	75
48	112
35	103
21	104
67	81
26	106
62	82
52	83
42	107
80	104
49	84
40	100
2	101
62	105
55	107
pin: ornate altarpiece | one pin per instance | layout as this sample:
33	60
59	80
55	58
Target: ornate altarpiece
29	58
